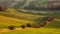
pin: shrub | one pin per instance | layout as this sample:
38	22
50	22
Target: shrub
28	25
1	8
23	26
44	23
11	27
35	26
49	19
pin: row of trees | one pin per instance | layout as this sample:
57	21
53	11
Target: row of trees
44	23
22	26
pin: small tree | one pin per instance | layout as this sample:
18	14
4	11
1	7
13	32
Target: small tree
49	19
11	27
44	23
28	25
35	25
23	26
1	8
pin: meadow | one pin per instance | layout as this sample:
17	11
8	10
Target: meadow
16	18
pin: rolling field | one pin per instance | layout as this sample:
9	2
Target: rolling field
17	19
35	31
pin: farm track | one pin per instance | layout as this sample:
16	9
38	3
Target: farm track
17	29
57	19
7	30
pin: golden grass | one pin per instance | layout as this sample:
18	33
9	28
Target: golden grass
6	21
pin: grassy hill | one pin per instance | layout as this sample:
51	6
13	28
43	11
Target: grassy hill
16	18
35	31
13	17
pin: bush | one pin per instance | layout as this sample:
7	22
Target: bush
1	8
36	26
28	25
23	26
11	27
44	23
51	18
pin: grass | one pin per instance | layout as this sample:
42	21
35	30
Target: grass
6	21
35	31
17	19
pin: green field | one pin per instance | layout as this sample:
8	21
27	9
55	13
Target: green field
35	31
13	17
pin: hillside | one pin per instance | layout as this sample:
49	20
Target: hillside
29	17
17	18
13	17
23	3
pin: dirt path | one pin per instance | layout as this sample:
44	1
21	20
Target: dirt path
57	19
7	30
